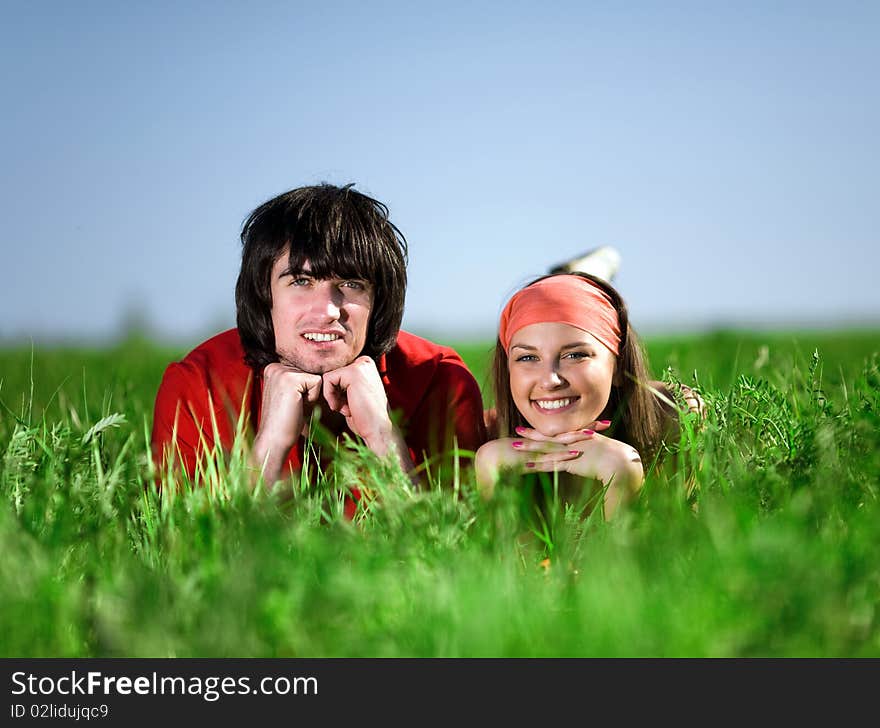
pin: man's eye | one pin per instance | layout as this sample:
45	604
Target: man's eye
300	281
354	285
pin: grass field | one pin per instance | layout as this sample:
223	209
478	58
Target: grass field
758	536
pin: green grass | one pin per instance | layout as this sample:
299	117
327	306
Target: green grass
763	541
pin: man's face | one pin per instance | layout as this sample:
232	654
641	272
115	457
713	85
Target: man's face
320	324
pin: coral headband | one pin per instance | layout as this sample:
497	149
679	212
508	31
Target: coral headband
565	299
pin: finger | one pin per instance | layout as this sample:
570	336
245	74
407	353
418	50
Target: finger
530	446
569	438
573	436
313	393
549	463
553	457
532	434
333	394
311	388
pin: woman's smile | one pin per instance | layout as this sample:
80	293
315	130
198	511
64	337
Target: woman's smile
555	405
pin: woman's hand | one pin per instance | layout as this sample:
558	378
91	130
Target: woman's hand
617	465
502	454
583	453
512	453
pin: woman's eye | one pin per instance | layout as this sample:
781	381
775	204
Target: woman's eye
576	355
527	357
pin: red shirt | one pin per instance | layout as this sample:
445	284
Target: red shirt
428	386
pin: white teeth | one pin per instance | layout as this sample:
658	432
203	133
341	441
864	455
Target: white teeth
321	337
553	403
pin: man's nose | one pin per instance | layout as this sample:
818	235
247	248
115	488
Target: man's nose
328	300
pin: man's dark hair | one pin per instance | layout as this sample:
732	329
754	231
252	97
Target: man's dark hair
341	233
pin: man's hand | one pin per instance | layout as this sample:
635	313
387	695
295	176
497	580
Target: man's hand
288	395
357	393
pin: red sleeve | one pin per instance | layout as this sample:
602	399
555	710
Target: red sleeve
181	418
466	405
451	408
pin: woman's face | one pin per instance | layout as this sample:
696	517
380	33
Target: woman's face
560	376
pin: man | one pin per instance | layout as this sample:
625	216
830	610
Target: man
319	302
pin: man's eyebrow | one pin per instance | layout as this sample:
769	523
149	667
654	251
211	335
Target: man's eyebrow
295	272
300	273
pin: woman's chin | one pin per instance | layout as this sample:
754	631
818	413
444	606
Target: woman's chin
555	425
550	429
553	431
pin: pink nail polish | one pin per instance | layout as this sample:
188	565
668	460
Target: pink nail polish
605	422
520	430
589	432
518	443
574	452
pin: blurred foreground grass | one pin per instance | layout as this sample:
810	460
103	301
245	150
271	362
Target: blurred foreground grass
774	552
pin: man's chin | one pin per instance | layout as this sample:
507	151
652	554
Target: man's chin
312	365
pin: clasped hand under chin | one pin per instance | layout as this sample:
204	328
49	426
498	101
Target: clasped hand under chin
583	453
354	392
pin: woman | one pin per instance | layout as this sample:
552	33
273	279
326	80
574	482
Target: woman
572	392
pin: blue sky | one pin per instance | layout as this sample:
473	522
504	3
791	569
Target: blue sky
728	150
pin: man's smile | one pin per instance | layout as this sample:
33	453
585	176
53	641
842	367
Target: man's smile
322	336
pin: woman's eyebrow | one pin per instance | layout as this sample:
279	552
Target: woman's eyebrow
573	345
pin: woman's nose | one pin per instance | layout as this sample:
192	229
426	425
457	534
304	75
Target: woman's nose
551	378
